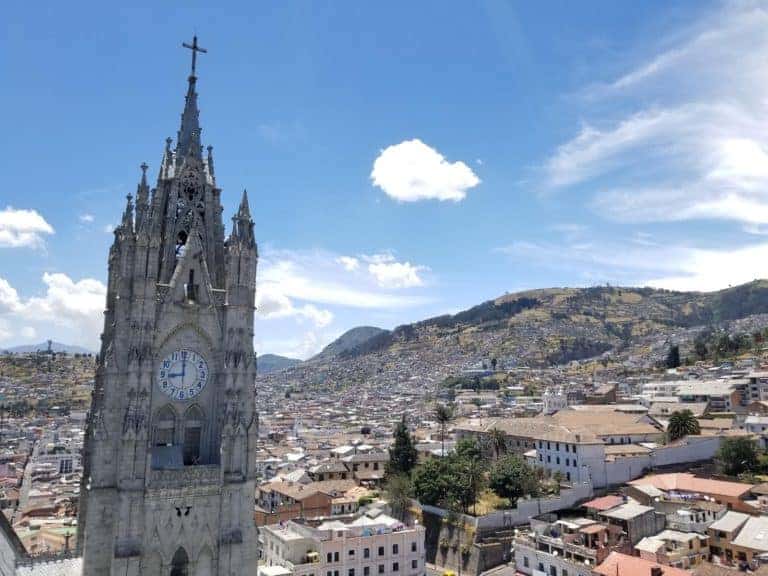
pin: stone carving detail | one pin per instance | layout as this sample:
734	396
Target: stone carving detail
134	419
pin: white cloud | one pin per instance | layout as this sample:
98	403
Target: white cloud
683	135
412	171
108	228
349	263
23	228
389	273
70	309
86	218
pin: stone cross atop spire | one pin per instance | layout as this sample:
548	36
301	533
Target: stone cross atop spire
188	139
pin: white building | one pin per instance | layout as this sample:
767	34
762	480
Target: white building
372	544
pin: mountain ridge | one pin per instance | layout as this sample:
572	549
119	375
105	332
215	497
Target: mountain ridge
630	327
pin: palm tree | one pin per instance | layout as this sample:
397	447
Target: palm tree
682	423
498	441
443	415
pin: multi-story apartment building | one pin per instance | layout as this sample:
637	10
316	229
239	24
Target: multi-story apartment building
565	547
369	544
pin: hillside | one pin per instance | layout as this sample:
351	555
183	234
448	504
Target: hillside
351	340
56	347
272	362
632	327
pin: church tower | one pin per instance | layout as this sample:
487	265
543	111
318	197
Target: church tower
170	452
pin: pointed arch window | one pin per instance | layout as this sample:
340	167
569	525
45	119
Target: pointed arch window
180	563
194	422
165	427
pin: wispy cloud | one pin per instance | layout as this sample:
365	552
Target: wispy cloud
686	136
640	261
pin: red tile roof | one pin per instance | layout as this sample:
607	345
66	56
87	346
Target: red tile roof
604	503
686	482
618	564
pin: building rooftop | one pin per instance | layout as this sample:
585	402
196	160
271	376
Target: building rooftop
617	564
627	511
730	522
604	503
754	534
687	482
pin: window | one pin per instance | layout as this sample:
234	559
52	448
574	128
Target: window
525	561
395	567
413	546
395	549
549	446
565	572
335	556
329	558
549	458
193	426
351	552
366	552
558	459
552	571
541	567
165	426
568	476
414	564
375	465
329	573
381	568
567	461
381	550
367	571
557	446
351	572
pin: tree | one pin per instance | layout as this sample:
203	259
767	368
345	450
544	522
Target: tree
399	490
402	454
682	423
467	449
512	478
431	482
673	357
498	441
737	455
467	468
700	348
443	415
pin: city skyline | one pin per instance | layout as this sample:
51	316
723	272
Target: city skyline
394	173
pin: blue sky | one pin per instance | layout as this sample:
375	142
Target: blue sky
403	160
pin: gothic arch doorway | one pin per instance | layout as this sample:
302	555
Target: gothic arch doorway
180	563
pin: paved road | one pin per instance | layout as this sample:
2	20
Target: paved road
26	482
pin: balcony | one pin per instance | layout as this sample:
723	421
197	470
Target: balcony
206	475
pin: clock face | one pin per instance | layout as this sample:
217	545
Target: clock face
182	374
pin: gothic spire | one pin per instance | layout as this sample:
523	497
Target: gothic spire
128	214
188	139
142	198
242	224
245	211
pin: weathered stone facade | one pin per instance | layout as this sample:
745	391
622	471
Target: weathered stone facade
168	487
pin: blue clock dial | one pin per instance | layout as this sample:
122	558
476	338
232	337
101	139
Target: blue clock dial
183	374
